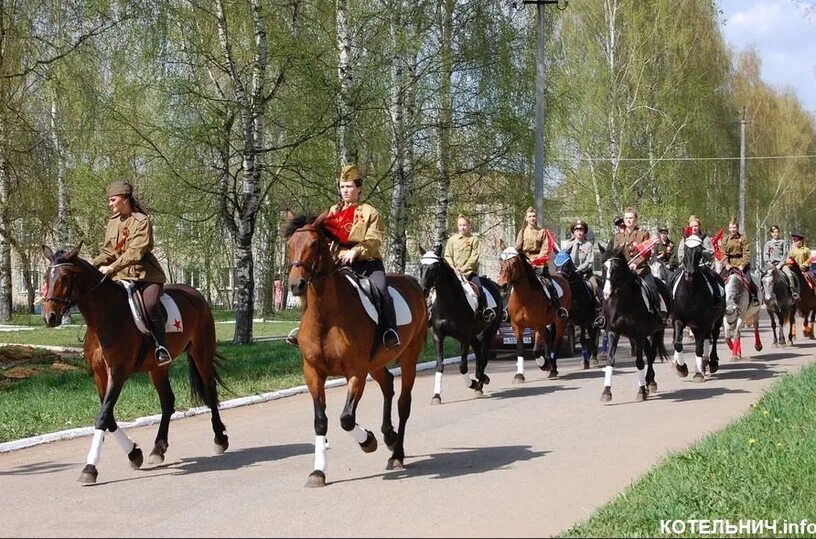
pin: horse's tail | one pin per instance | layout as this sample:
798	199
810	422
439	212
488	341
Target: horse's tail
661	348
202	391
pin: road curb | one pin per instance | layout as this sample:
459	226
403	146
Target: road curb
69	434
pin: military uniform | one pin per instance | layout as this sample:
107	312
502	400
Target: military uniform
628	240
801	255
530	241
127	250
775	251
462	253
664	251
365	230
582	254
737	251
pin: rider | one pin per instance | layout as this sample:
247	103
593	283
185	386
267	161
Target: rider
582	253
532	241
738	257
619	228
360	229
127	255
695	229
664	249
630	239
799	253
776	252
462	251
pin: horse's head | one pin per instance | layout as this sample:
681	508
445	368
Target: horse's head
564	264
734	289
692	255
63	283
767	281
431	266
308	243
511	268
616	272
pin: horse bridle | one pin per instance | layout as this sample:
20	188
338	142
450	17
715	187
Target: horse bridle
313	274
68	302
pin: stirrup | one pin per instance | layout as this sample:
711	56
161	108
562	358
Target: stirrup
292	338
391	338
489	314
795	296
562	312
163	356
600	321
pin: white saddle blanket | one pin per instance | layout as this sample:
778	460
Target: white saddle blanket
400	305
174	324
558	289
473	300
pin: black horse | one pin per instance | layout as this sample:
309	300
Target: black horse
451	315
627	314
583	308
778	298
698	302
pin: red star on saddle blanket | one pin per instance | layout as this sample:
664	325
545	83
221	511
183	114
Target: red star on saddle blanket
177	324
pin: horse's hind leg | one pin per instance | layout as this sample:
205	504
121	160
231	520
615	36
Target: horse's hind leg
439	343
203	386
713	358
680	366
606	394
385	380
640	365
408	367
699	350
464	349
161	381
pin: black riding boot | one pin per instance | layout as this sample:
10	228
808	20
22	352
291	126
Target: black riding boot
560	311
162	354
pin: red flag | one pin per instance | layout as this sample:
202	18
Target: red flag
542	260
551	243
644	248
715	242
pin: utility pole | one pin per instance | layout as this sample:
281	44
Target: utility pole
541	86
741	214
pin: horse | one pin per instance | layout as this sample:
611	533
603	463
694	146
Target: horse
739	312
696	305
338	338
807	301
779	303
627	314
529	306
583	310
451	314
660	270
115	349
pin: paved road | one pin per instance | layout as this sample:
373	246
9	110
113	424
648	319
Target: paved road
524	460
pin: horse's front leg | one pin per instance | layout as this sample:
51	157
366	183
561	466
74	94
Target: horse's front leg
640	365
650	372
606	394
781	337
161	381
464	349
680	366
105	420
385	380
540	349
316	382
518	331
713	358
348	418
439	344
757	339
481	349
585	349
554	334
699	351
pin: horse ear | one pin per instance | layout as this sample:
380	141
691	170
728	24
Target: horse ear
438	250
502	245
422	250
320	218
48	253
74	252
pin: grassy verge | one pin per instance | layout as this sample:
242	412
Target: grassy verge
60	394
760	467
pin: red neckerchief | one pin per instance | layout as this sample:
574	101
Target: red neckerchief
339	224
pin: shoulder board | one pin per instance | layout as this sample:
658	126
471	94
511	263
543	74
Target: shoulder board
138	216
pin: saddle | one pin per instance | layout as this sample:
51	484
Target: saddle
810	279
170	311
371	302
471	293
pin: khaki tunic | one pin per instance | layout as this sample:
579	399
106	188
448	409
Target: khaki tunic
627	240
801	255
462	253
530	240
128	250
366	234
737	251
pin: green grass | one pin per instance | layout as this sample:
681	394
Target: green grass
759	467
56	400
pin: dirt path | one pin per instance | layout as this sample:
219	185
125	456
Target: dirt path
525	460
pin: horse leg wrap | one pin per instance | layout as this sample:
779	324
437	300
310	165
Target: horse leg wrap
678	358
96	447
438	383
699	363
359	434
520	365
608	376
123	440
641	377
320	453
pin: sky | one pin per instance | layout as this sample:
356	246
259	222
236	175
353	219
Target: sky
784	34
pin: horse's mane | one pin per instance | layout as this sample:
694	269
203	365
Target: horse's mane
615	252
296	222
60	257
529	270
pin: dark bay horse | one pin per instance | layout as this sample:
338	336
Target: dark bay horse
115	349
337	338
807	301
583	307
779	303
529	306
698	305
453	316
627	314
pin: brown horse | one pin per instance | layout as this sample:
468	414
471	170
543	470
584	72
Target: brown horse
337	338
115	349
529	306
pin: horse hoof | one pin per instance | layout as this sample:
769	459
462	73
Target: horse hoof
595	362
758	348
155	457
518	378
436	399
221	447
641	394
713	366
370	445
553	374
485	379
585	366
394	464
478	392
681	370
136	457
698	377
606	396
735	357
544	366
316	479
88	475
652	387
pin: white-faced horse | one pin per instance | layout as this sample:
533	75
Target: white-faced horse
739	312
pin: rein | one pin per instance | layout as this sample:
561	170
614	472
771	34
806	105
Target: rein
313	275
68	302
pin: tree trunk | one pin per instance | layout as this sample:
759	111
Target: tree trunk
443	157
61	237
347	147
5	232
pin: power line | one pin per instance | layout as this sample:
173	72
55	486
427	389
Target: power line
682	158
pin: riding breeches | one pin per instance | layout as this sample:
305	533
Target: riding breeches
375	271
659	294
151	292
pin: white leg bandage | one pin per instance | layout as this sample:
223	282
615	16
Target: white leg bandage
359	434
678	358
122	439
438	383
96	447
608	376
320	453
520	365
540	360
642	377
699	365
466	379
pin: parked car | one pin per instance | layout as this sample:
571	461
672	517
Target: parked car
505	340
